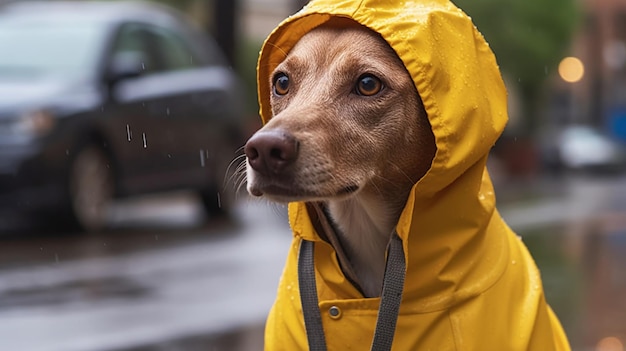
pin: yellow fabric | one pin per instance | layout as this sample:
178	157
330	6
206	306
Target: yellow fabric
471	284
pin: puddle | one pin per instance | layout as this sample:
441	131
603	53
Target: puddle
583	267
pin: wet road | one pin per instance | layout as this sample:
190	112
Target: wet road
577	236
166	280
144	287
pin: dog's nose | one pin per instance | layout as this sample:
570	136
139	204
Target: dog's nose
269	152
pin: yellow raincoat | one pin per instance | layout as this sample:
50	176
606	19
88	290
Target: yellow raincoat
470	283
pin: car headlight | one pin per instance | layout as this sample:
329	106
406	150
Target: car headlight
36	122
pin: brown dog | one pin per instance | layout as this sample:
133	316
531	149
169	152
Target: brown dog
379	117
340	103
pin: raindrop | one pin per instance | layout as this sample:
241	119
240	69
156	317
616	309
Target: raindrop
514	262
56	257
143	66
129	134
219	200
145	143
167	111
202	158
67	152
156	237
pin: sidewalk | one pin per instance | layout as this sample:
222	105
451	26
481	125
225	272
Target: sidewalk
548	201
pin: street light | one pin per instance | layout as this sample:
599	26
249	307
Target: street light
571	69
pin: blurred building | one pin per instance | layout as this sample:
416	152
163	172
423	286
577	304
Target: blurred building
599	97
231	21
260	17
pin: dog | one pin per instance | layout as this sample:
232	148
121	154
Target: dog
378	121
339	102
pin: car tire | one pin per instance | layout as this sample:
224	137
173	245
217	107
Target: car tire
91	189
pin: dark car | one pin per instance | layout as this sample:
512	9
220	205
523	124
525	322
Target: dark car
110	99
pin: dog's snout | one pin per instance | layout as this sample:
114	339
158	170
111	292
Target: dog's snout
269	152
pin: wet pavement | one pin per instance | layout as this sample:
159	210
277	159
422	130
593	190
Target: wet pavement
166	278
193	285
577	235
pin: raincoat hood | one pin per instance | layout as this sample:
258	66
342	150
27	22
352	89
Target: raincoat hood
460	254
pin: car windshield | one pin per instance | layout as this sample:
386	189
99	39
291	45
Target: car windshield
37	48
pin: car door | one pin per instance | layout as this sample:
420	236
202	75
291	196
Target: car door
130	116
156	126
180	85
193	105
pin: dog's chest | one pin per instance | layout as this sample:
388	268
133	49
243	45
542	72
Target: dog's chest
364	239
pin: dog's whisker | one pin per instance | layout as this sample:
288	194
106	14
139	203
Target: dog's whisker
378	190
277	47
239	179
399	169
270	64
240	173
236	158
278	209
238	161
238	191
240	184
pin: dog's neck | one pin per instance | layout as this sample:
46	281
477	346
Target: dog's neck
364	224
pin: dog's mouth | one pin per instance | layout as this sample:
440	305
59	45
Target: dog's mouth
281	193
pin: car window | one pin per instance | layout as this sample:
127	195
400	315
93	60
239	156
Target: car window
160	49
132	40
33	48
172	51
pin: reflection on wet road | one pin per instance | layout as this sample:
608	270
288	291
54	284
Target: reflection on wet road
164	280
578	240
585	281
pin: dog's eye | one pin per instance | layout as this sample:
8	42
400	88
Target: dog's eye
281	84
368	85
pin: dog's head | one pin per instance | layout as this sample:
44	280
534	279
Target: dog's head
346	119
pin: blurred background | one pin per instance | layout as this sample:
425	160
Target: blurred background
123	222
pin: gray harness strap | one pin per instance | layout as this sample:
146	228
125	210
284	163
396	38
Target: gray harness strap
391	296
390	300
308	297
